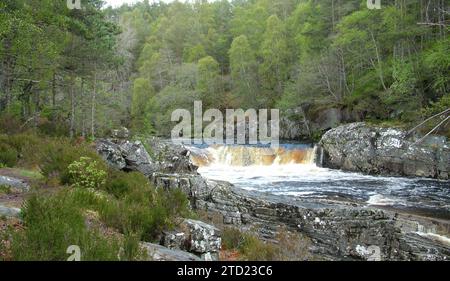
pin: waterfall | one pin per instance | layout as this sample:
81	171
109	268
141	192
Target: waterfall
244	156
318	152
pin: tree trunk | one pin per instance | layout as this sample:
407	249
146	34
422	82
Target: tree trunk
94	96
72	105
83	110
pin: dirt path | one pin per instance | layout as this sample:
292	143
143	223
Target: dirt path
14	197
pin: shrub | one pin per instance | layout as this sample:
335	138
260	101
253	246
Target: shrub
292	246
289	247
25	147
231	238
87	173
10	124
120	183
57	155
4	189
131	249
134	206
146	211
8	155
54	223
254	249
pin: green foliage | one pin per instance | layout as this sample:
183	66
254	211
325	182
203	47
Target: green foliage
131	249
253	249
437	63
273	70
18	148
135	207
86	173
146	211
243	66
4	189
8	155
209	82
140	107
52	224
251	54
231	238
120	184
57	155
290	246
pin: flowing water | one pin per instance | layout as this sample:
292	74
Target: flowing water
291	171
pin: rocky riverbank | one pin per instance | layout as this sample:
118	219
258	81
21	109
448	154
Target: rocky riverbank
369	149
339	231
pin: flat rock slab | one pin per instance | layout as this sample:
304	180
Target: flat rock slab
9	212
160	253
14	183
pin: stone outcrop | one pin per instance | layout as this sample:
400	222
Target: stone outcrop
121	133
15	184
294	125
384	151
160	253
338	231
161	156
196	237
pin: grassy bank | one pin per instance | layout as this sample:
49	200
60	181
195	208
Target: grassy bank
103	211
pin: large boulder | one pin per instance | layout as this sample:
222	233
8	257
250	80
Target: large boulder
126	155
384	151
197	237
172	158
156	156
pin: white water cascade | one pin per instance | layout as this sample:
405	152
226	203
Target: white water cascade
291	171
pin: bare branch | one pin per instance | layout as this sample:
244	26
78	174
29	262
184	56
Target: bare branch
429	119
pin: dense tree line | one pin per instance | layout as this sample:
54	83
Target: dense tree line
59	68
95	68
387	64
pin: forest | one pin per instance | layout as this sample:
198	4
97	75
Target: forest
87	95
84	72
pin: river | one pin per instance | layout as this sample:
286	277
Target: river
291	171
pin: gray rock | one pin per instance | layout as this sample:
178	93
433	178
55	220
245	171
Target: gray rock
174	240
197	237
163	156
385	151
172	158
338	231
137	158
161	253
15	184
9	212
203	238
126	155
293	125
111	153
121	133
